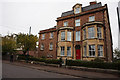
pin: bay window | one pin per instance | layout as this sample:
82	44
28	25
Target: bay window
62	51
91	32
63	36
99	35
92	50
68	36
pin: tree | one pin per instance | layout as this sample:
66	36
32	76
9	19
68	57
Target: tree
8	44
26	42
117	53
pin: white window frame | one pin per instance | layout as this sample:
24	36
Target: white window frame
99	33
42	47
91	32
100	50
92	51
63	36
62	53
65	23
77	36
77	10
77	22
69	51
69	36
85	50
51	46
91	18
43	36
51	35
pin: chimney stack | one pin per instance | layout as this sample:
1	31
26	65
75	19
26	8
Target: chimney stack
93	2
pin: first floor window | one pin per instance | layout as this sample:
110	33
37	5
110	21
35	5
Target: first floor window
100	50
91	50
85	52
99	35
51	35
43	36
42	47
51	46
62	51
68	36
91	32
62	36
68	51
77	35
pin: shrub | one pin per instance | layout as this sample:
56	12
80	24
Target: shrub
52	61
93	64
98	60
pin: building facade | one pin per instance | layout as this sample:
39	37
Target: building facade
118	11
82	33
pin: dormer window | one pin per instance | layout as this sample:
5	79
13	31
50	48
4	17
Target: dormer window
77	10
65	23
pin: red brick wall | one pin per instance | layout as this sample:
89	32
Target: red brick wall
46	43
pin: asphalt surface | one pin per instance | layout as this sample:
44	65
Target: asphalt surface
13	71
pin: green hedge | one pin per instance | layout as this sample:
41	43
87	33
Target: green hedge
92	64
52	61
31	58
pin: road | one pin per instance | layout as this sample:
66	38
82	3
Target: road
13	71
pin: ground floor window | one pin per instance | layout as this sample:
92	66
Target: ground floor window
100	50
91	50
68	51
42	47
62	50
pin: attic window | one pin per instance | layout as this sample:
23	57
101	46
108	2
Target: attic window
77	10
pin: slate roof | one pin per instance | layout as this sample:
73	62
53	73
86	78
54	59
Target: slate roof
83	9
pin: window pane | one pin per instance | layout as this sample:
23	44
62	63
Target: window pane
43	36
66	23
85	54
51	35
68	51
62	50
100	50
91	50
42	47
92	18
91	32
77	22
77	10
62	36
68	36
51	46
84	33
78	36
99	32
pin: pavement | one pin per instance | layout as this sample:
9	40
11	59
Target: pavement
65	71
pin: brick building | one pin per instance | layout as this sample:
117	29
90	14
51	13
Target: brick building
82	33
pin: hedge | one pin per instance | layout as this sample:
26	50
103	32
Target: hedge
92	64
31	58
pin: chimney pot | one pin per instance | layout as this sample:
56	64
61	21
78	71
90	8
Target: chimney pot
94	2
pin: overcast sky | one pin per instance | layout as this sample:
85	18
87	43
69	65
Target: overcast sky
18	15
